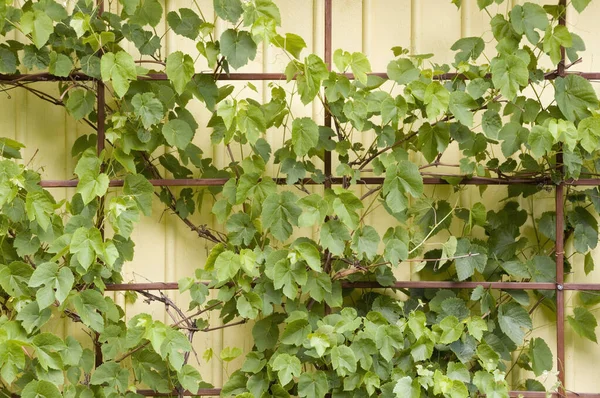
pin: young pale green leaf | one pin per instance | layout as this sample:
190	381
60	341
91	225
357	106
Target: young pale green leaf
554	39
437	100
227	265
343	360
140	189
287	367
292	43
365	242
120	69
189	378
406	387
584	323
39	207
400	179
402	71
60	64
86	243
334	236
238	47
90	187
39	25
40	389
360	66
388	339
180	70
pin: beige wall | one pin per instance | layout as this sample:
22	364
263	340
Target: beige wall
166	251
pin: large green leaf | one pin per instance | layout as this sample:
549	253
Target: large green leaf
541	356
313	385
120	69
39	25
584	323
280	212
186	23
229	10
238	47
148	108
514	321
180	70
401	179
287	367
80	103
527	18
509	74
305	135
575	97
178	133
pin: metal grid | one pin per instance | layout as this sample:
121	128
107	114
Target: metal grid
559	286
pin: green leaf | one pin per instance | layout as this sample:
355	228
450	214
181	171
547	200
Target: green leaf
586	229
238	47
227	265
514	321
490	386
554	39
584	323
334	236
525	19
580	5
295	332
39	25
292	43
140	189
346	206
86	243
309	84
313	384
365	242
229	10
186	23
461	105
39	207
575	97
540	140
249	305
305	135
388	339
49	275
541	356
309	252
148	108
120	69
80	103
88	304
189	378
468	48
287	367
433	140
280	212
343	360
402	71
472	257
437	99
589	131
41	389
405	387
452	329
8	60
509	74
400	179
265	333
60	64
178	133
180	70
588	263
111	374
360	66
91	186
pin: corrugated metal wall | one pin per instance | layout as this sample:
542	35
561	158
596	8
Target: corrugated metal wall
166	251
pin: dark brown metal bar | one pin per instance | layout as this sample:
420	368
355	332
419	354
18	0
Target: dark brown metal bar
215	392
560	238
78	76
190	182
376	285
327	56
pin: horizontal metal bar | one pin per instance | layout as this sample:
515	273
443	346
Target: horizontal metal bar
396	285
78	76
188	182
215	392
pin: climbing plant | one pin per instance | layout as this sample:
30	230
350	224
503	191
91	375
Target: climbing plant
327	316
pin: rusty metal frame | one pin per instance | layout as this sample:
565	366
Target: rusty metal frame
559	286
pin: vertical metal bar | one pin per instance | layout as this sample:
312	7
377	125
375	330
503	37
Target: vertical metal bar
560	248
327	56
